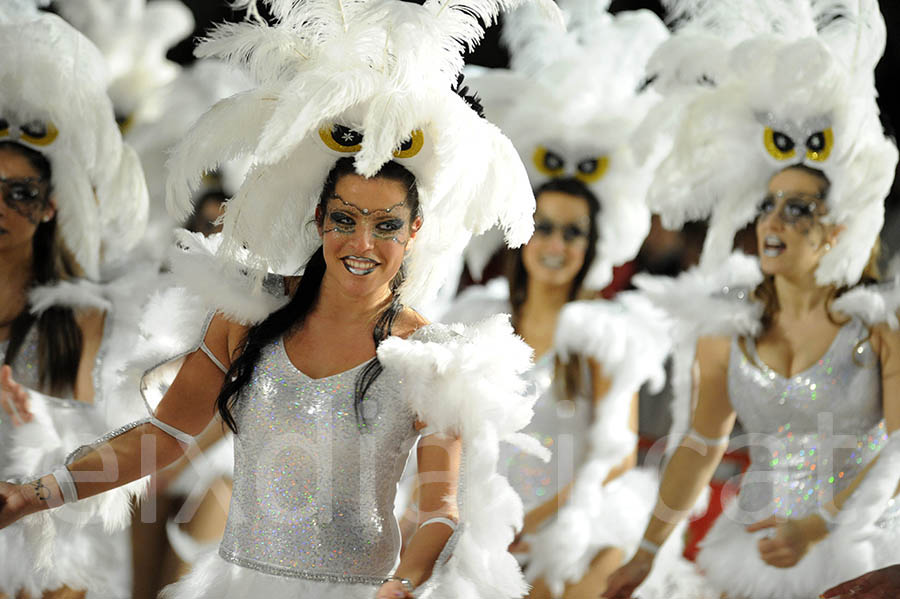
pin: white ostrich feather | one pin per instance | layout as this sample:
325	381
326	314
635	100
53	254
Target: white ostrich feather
397	62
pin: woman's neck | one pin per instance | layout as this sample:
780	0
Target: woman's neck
799	298
335	304
544	300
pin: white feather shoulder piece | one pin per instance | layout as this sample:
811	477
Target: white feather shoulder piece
478	302
465	381
873	304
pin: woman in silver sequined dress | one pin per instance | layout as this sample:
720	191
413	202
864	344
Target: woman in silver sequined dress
818	393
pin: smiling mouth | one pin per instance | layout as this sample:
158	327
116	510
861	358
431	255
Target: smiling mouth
359	266
773	246
551	261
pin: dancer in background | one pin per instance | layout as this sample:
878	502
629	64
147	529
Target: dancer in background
368	194
801	353
73	201
570	103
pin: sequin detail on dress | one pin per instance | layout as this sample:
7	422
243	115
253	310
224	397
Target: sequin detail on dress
809	434
314	490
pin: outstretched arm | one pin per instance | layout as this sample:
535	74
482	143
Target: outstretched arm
692	465
188	406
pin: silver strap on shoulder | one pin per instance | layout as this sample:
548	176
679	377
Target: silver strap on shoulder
66	484
212	357
439	520
180	436
708	441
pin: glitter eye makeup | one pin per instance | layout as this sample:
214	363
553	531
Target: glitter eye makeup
381	222
26	196
796	208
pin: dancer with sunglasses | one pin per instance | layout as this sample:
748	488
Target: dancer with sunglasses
802	351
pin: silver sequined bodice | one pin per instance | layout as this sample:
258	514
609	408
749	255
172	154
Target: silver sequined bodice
313	488
809	435
560	425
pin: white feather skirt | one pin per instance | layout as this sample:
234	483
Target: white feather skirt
730	559
215	578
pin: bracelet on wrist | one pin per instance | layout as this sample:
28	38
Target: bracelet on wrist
404	582
648	546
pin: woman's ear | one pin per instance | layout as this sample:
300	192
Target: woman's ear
49	211
319	220
833	233
415	226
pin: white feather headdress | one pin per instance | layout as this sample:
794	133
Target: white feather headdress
53	99
570	104
798	89
381	68
133	36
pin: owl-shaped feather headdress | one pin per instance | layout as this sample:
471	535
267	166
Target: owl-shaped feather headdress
570	103
53	100
797	88
371	79
133	36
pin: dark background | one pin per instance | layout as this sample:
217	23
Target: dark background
492	54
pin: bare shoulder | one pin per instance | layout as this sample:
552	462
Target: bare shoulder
224	336
91	321
714	349
885	342
408	322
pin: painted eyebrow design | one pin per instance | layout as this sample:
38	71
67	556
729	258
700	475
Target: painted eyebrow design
366	211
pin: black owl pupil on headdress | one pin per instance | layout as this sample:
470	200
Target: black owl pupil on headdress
782	142
4	124
553	161
588	166
816	142
406	145
346	136
35	129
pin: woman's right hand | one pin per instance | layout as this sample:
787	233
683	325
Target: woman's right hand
14	398
622	583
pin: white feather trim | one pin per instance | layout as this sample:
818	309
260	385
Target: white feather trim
630	340
873	304
465	381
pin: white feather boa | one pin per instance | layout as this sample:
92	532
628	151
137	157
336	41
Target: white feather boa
873	304
465	381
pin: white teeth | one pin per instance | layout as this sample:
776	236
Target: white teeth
552	261
772	246
359	266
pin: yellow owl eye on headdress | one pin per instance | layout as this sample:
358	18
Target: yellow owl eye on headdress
819	145
548	162
591	170
779	145
124	121
39	133
342	139
411	146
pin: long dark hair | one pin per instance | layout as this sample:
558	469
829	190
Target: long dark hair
518	276
59	336
304	299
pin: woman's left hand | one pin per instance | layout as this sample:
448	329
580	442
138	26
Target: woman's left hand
791	541
393	589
